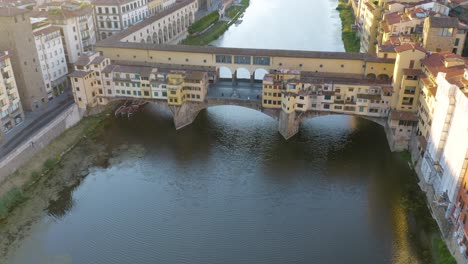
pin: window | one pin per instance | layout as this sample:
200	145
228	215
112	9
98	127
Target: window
457	41
223	58
446	32
242	59
410	89
79	99
411	64
257	60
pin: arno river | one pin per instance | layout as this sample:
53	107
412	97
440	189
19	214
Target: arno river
229	189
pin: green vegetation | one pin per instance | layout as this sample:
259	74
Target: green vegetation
204	22
49	164
234	10
11	199
427	238
350	39
441	253
24	179
218	29
55	11
40	24
214	33
84	4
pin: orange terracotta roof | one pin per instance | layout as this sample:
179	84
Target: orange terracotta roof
408	46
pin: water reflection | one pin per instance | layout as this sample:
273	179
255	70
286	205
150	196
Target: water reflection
229	189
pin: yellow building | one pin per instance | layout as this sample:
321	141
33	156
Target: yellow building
371	14
406	77
273	85
195	86
441	34
175	94
96	81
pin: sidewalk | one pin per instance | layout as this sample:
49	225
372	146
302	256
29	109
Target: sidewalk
33	121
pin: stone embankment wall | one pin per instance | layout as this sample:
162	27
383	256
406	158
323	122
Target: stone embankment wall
42	138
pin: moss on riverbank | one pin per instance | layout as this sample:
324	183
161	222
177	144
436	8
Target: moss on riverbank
204	39
425	233
216	31
348	35
15	188
204	22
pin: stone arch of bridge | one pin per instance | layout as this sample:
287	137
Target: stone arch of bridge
302	117
273	113
225	72
260	73
190	111
383	77
242	73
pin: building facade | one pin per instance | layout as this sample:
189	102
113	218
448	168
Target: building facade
76	22
445	159
157	6
96	81
444	34
167	26
18	38
113	16
11	112
52	59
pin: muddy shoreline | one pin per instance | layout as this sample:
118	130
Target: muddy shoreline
42	195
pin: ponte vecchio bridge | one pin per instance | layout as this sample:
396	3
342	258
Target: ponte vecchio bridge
358	67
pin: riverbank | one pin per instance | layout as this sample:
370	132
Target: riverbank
48	179
348	35
216	30
14	190
425	233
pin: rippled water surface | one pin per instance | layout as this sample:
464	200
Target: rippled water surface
229	189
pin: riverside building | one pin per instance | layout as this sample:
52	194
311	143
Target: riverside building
11	112
113	16
51	53
76	23
95	81
18	38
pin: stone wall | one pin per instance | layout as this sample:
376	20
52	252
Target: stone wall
24	152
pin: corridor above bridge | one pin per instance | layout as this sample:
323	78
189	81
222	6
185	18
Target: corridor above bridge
118	49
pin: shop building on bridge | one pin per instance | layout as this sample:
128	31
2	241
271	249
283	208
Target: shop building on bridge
95	81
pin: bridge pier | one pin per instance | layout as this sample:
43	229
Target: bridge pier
288	124
252	79
234	78
185	114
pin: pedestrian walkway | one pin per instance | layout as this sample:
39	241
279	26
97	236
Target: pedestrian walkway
33	121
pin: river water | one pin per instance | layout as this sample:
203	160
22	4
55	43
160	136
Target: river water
229	188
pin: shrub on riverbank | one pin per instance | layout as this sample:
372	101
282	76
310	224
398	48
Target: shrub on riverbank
219	28
204	22
432	248
214	33
441	253
11	199
233	10
17	186
349	36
